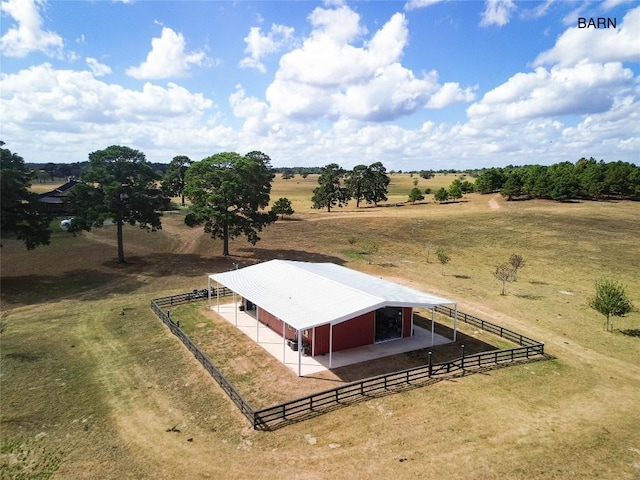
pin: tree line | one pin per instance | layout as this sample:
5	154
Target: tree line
585	179
337	186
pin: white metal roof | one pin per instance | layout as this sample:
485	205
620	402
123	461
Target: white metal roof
306	295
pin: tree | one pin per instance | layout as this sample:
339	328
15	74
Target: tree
282	207
368	183
517	262
610	300
356	181
20	208
331	192
173	181
490	181
512	186
441	195
443	258
118	185
455	189
415	195
228	194
505	273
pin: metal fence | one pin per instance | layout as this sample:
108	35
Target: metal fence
282	414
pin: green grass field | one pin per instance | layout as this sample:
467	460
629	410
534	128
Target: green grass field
94	386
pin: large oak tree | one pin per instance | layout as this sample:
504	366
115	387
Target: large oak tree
228	194
118	185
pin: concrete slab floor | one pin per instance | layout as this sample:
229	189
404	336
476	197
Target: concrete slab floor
275	345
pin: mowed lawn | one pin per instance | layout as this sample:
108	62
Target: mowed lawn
95	385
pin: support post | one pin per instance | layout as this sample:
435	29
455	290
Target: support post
235	308
455	323
218	296
284	344
433	324
430	365
330	344
462	361
257	324
209	292
299	335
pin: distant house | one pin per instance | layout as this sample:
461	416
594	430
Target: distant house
55	201
326	307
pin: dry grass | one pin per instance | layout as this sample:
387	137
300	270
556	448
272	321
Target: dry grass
105	387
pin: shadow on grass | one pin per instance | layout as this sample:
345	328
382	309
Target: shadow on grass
34	288
527	296
415	358
631	332
264	254
392	391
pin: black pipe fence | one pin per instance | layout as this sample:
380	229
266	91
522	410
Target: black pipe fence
244	406
282	414
488	326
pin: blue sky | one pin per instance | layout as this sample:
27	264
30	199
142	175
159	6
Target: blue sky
420	84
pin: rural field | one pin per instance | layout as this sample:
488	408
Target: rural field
94	386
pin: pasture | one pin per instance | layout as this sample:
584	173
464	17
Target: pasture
94	384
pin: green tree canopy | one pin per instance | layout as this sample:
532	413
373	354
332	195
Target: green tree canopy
229	193
441	195
415	195
610	300
331	191
173	181
368	183
118	185
282	207
21	214
455	189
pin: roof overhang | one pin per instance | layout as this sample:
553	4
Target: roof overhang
306	295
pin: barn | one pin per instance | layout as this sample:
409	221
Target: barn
321	308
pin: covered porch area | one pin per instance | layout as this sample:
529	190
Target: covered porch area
302	365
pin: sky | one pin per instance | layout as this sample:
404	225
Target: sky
416	84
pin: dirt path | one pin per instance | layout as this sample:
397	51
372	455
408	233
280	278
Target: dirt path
493	203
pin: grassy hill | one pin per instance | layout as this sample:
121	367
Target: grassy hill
95	387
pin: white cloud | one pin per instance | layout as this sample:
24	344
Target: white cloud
250	108
259	45
609	4
620	44
497	12
98	69
42	97
583	89
539	11
329	76
28	36
415	4
168	58
450	93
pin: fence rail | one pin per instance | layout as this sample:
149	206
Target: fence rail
488	327
296	410
244	406
191	296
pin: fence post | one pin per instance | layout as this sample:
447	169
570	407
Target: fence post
430	366
462	363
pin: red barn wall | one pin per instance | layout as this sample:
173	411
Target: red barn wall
407	313
356	332
275	324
